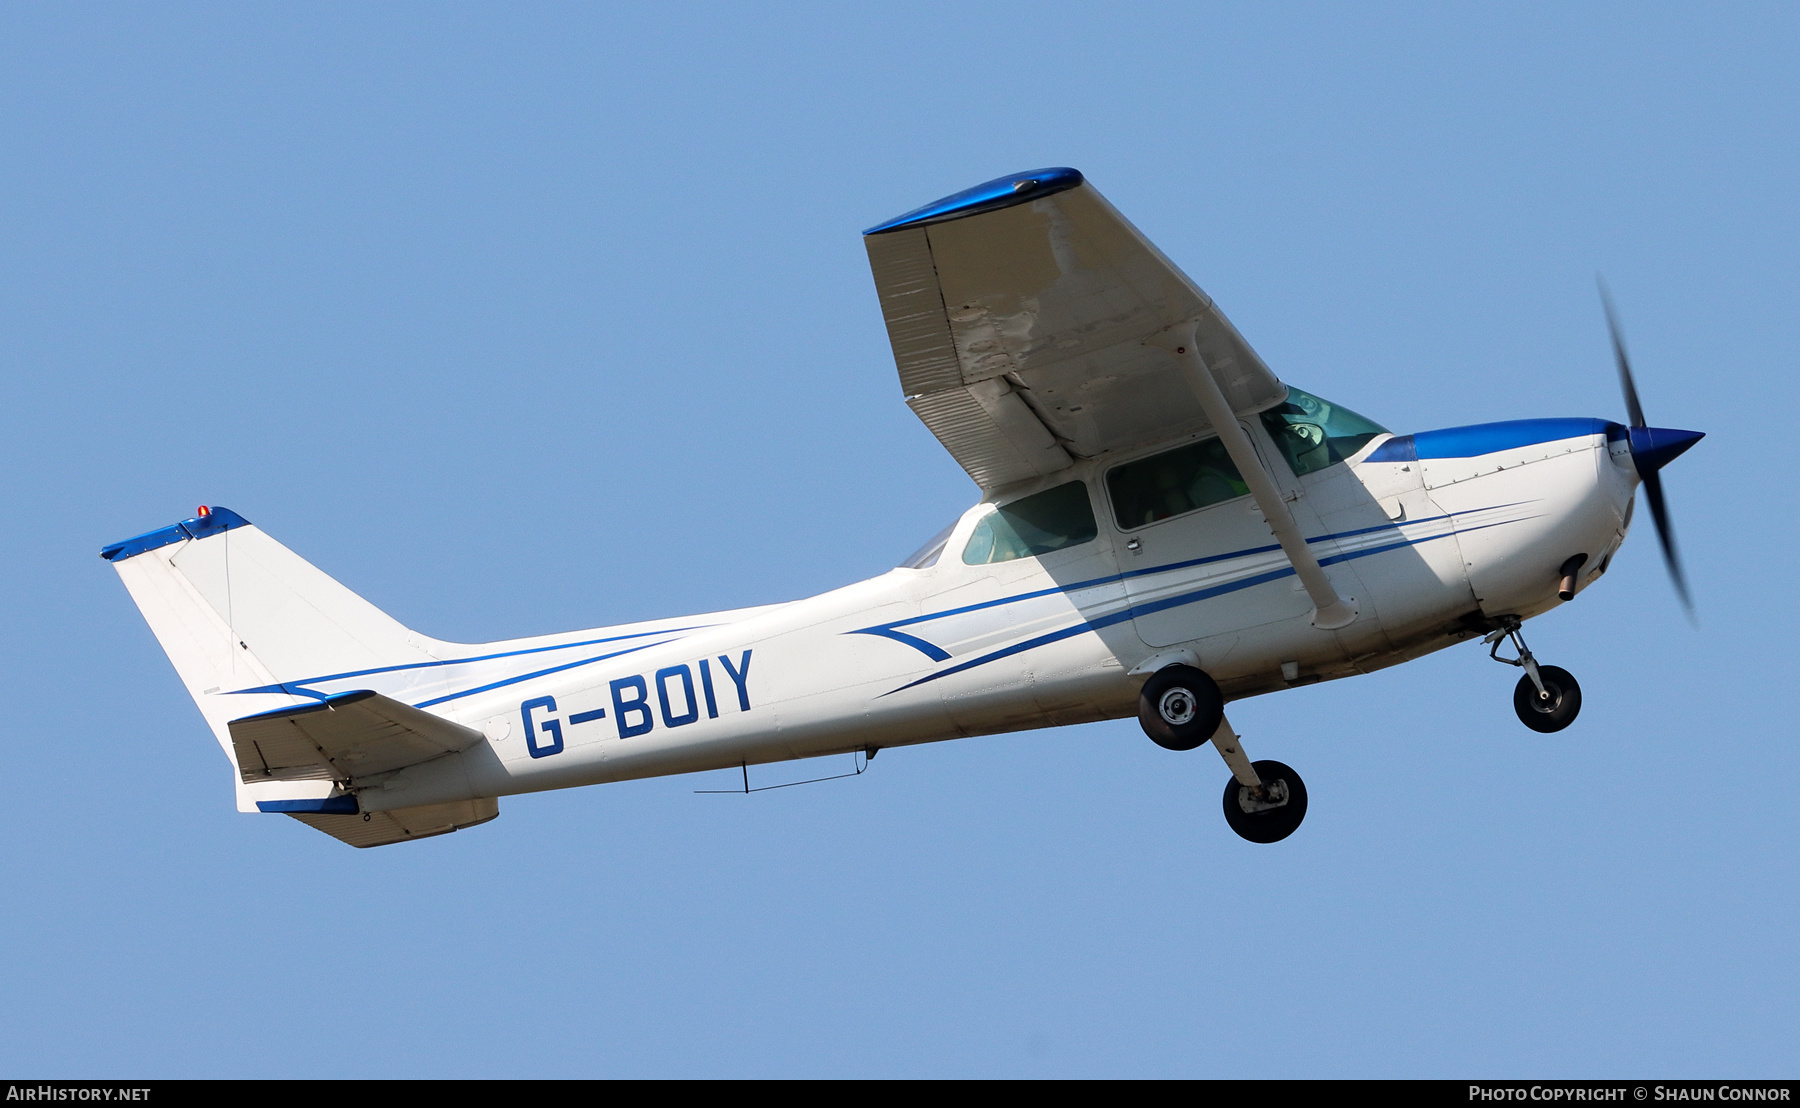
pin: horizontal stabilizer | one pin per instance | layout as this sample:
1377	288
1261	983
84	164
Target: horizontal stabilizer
401	824
347	736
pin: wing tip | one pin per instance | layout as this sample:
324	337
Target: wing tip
989	196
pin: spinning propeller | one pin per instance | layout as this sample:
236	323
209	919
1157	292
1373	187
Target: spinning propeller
1651	449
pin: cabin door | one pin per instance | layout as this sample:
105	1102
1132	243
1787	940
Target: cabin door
1197	558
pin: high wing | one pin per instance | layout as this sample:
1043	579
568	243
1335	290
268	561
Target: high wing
350	735
1019	312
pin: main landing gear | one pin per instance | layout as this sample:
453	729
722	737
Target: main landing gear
1181	707
1547	698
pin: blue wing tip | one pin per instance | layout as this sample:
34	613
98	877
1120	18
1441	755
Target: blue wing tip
989	196
211	521
324	806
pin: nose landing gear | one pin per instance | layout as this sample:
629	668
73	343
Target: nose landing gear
1546	699
1551	708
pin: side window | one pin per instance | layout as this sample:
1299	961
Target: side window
1172	483
1312	433
926	556
1042	522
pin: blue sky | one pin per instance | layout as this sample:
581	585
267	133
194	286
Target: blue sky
522	321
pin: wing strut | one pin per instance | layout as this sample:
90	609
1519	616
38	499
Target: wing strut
1330	611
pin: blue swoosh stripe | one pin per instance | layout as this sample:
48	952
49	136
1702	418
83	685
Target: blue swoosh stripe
1174	602
930	650
539	673
293	688
1085	626
886	630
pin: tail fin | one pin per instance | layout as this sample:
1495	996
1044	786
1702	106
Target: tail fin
246	622
229	604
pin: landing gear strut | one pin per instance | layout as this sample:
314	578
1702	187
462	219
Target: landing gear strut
1547	698
1264	801
1181	707
1276	813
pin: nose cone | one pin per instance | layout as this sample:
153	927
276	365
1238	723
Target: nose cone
1655	447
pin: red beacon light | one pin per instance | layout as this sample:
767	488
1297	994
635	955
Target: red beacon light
203	511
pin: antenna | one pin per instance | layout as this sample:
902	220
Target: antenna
858	759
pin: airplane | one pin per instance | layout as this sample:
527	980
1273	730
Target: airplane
1164	527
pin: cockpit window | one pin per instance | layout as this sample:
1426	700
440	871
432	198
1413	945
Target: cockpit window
926	556
1045	521
1313	433
1173	483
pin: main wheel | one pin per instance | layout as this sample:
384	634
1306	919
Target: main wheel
1180	707
1548	713
1276	814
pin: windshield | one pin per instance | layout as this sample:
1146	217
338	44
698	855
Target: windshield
1313	433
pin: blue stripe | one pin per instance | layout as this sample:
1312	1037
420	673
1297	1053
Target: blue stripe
539	673
930	650
1486	438
936	654
1175	602
1400	448
1085	626
325	702
293	688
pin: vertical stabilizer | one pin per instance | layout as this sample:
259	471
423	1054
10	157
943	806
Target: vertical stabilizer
244	620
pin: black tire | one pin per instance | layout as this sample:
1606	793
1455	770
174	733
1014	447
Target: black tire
1180	707
1554	714
1274	824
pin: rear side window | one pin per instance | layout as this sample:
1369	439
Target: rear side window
1042	522
1172	483
926	556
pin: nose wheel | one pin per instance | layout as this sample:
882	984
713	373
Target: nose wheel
1552	707
1546	699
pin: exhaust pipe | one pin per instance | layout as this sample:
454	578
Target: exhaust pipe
1565	589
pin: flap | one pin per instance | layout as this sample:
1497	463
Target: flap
350	735
1018	313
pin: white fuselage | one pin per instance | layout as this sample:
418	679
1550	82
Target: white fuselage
1428	547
